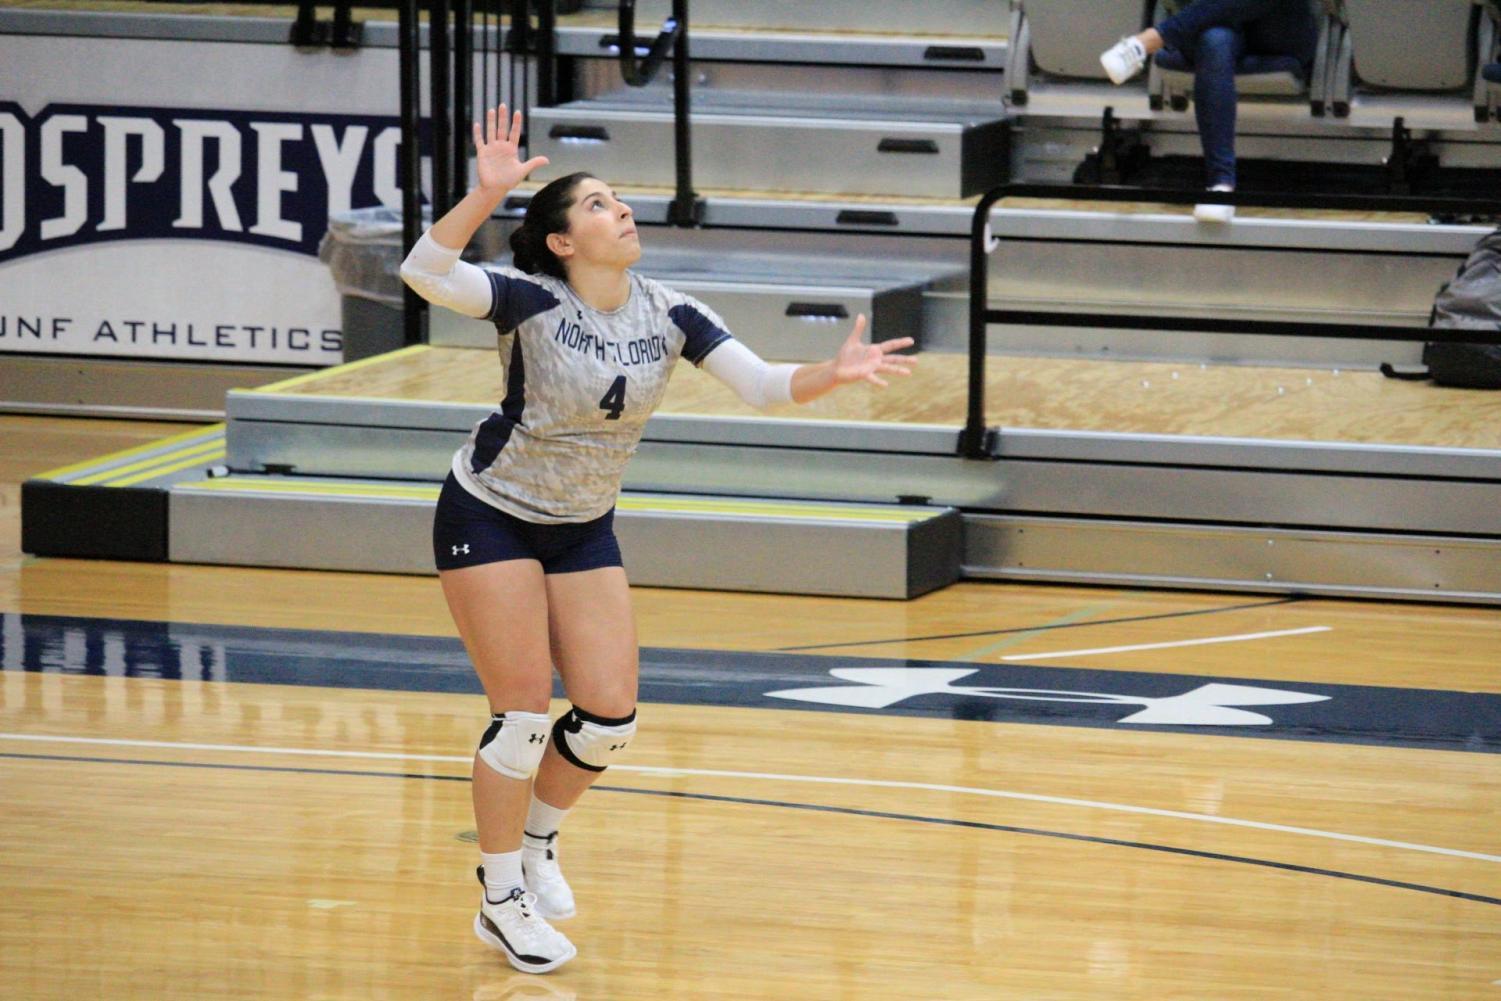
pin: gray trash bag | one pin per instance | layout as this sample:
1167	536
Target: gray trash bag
363	250
1471	301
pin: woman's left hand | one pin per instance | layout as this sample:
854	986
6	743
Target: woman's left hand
858	361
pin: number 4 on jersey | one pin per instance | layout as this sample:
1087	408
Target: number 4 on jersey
613	401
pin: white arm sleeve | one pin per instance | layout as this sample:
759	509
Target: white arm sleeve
753	380
436	273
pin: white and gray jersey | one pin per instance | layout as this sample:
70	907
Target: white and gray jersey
579	383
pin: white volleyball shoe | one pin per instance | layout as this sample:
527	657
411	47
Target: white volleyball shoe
543	876
514	927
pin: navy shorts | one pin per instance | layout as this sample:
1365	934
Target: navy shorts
468	532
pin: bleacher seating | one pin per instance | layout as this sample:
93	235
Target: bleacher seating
1171	79
1046	41
1402	55
1395	56
1488	87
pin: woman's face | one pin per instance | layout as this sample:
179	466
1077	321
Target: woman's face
601	229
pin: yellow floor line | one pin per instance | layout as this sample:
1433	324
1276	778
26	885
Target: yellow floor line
345	398
326	489
772	509
201	460
151	463
53	474
789	510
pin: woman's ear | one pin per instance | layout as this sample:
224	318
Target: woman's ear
560	245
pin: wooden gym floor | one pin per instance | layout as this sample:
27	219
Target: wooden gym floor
186	817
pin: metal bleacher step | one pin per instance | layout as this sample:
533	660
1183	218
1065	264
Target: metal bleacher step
784	305
307	476
887	147
668	540
175	501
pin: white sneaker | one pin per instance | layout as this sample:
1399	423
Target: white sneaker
1216	213
528	941
544	877
1123	60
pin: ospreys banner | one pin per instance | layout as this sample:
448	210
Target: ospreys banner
165	198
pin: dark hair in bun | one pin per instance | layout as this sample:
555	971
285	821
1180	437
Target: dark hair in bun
546	213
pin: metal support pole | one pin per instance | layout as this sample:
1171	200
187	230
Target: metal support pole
518	46
409	29
686	209
347	34
440	77
972	440
307	31
547	53
463	93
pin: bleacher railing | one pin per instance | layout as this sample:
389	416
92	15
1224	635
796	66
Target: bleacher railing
978	441
450	40
638	67
450	34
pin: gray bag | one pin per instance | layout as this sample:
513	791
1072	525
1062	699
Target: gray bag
1472	301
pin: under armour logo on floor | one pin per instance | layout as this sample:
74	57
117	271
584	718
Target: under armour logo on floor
1208	705
461	550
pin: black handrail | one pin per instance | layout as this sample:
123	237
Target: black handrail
687	209
977	440
638	71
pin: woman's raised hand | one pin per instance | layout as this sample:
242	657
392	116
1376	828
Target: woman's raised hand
857	361
495	148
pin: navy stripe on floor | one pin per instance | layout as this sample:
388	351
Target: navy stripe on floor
1013	693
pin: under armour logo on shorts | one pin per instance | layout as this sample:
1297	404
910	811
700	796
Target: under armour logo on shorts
461	550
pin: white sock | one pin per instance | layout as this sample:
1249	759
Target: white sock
502	874
542	822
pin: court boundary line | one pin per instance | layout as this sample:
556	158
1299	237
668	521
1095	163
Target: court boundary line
1291	600
1169	644
868	783
820	808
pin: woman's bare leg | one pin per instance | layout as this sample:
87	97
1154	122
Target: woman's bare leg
501	612
593	639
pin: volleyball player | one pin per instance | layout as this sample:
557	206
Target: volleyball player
523	534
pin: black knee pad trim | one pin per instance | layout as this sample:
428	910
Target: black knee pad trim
588	717
572	722
569	723
496	719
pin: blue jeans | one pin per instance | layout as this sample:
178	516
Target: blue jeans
1213	35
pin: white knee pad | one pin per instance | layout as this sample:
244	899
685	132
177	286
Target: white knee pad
592	742
514	743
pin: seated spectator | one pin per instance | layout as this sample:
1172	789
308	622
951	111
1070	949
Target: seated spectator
1212	36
